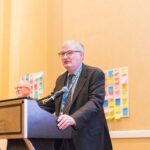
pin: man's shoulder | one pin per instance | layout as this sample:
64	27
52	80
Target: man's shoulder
93	69
94	73
62	76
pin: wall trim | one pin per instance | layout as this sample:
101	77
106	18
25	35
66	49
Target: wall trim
130	134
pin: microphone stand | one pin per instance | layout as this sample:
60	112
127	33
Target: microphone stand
44	100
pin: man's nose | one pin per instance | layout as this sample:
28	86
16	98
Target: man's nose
65	55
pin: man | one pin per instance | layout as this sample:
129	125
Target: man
81	107
85	114
23	89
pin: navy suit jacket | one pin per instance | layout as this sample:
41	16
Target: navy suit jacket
91	131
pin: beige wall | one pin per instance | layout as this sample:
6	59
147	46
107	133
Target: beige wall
28	39
28	42
1	40
31	33
4	46
115	34
131	144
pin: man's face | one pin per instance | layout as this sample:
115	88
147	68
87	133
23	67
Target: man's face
71	59
23	90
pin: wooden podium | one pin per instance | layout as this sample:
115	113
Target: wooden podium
27	126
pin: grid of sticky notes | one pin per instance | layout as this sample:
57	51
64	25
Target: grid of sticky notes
116	104
36	83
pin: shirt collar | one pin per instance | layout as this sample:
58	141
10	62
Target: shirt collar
77	70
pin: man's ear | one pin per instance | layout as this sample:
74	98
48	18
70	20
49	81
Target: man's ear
82	55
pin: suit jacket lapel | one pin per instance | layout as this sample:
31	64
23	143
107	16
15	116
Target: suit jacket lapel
60	84
80	83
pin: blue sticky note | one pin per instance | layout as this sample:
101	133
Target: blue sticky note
110	73
110	89
105	103
35	94
27	77
125	111
117	101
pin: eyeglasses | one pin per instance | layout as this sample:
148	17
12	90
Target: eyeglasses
22	87
67	53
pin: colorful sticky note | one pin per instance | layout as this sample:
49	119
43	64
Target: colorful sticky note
118	116
116	72
110	73
110	96
107	116
35	86
117	101
106	110
124	79
117	94
117	80
125	102
111	103
124	70
125	112
106	92
117	88
124	87
118	112
105	103
110	90
27	77
110	80
111	114
36	94
124	95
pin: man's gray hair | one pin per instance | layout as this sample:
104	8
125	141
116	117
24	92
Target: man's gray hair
74	45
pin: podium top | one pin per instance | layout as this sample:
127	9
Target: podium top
13	99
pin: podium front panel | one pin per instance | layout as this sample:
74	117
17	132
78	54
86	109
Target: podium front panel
41	124
11	121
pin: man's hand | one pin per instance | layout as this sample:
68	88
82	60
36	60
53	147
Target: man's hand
65	121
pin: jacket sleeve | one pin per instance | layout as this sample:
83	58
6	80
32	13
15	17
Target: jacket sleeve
49	106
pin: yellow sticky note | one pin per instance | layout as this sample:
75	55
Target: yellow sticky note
124	70
117	108
107	116
118	113
111	103
124	95
111	114
118	116
124	87
125	103
110	81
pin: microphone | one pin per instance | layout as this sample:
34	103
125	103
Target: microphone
56	94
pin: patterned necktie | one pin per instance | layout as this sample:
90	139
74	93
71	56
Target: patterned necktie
68	98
